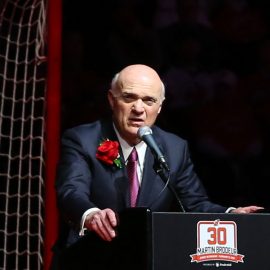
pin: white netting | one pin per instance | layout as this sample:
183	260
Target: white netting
22	107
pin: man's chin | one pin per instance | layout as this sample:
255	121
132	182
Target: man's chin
134	129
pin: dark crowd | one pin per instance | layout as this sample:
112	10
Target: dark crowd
214	59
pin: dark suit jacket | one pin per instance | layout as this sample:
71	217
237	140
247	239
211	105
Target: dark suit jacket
84	182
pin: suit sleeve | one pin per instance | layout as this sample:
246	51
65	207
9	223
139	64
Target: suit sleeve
73	179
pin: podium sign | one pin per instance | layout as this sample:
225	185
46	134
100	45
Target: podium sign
197	241
176	241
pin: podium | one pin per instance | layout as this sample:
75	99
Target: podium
177	241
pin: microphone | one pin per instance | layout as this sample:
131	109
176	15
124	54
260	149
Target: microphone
145	133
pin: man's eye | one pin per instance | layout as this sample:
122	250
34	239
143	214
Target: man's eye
128	98
149	101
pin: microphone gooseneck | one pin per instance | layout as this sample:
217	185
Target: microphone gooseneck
145	134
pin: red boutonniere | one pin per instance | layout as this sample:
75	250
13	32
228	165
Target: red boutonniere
108	152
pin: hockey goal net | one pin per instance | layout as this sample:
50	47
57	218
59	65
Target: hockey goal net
22	122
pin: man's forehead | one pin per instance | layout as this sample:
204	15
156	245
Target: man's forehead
142	89
142	82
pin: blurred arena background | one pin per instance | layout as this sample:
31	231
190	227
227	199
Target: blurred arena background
214	59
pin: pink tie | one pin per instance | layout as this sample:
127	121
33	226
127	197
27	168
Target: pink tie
133	177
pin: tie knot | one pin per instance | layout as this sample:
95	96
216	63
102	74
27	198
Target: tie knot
133	155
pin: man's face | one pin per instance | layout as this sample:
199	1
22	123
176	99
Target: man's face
135	103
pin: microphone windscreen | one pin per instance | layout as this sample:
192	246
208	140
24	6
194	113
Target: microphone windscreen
145	130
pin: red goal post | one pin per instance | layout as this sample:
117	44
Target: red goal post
52	124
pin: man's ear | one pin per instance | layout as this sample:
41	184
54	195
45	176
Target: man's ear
159	109
110	98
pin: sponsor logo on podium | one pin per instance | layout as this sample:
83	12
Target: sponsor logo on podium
217	241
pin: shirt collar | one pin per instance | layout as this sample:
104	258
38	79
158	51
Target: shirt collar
126	148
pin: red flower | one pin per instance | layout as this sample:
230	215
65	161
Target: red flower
108	152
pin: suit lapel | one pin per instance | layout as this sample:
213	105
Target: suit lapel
118	175
149	182
152	184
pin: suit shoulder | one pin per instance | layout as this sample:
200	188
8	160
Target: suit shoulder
85	134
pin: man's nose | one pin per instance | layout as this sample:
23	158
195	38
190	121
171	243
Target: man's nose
138	105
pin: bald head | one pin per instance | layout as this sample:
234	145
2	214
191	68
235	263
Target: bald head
138	74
